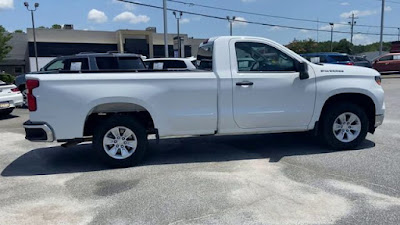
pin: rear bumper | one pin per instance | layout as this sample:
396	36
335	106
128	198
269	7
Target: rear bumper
379	120
14	100
38	132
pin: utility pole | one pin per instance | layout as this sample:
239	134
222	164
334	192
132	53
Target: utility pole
231	20
317	30
352	23
332	25
165	28
398	37
382	24
178	18
26	4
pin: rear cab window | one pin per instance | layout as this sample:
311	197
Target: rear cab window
205	56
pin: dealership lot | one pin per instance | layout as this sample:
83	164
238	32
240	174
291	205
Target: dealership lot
258	179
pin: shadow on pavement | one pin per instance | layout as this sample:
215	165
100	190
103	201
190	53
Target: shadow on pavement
7	117
58	160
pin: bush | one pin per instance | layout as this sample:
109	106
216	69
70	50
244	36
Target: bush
7	78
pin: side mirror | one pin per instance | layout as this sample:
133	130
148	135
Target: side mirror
303	69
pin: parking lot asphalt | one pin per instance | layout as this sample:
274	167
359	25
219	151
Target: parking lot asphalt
257	179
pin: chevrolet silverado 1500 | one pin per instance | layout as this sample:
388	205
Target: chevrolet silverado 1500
243	85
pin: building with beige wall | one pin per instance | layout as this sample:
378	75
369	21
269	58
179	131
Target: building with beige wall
52	43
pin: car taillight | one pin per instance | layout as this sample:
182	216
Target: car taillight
30	85
378	80
350	64
15	90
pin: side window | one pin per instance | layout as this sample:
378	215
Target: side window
107	63
130	63
77	64
174	64
386	58
252	56
57	65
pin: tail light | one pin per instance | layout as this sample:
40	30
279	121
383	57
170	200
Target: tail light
15	90
30	85
350	64
378	80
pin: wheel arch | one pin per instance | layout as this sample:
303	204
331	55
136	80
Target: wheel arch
360	99
104	110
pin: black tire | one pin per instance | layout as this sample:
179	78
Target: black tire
329	118
128	122
6	112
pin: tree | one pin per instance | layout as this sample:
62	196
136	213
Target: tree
344	46
18	31
56	26
4	47
42	27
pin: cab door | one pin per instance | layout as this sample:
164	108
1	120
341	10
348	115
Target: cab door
267	90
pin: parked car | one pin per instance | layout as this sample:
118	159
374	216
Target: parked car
85	62
360	61
282	92
329	57
171	63
387	63
10	97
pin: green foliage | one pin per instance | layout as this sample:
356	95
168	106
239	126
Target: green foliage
56	26
4	47
343	46
18	31
8	78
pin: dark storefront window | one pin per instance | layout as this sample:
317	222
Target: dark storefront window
62	49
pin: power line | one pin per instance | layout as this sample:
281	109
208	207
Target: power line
246	21
267	15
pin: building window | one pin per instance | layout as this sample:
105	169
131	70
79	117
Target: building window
18	70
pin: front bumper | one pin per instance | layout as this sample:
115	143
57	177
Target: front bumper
379	120
38	132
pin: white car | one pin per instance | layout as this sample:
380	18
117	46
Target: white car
279	91
171	63
10	97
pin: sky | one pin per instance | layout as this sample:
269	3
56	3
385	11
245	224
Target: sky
111	15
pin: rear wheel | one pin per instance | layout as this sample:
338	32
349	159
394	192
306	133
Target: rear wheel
344	126
120	141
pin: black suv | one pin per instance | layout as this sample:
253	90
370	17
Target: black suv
88	62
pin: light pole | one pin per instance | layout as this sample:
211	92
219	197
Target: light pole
178	18
26	4
332	25
231	20
165	28
382	24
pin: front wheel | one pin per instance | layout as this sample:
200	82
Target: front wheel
344	126
120	141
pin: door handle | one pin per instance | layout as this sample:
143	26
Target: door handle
245	83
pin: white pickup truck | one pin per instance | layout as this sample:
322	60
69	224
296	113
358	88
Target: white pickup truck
244	85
